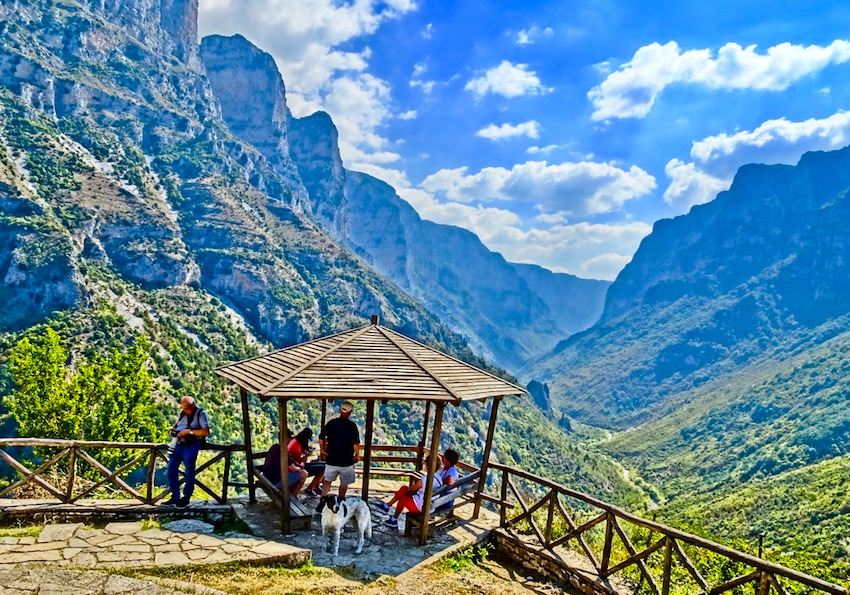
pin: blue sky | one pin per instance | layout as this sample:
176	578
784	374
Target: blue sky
559	131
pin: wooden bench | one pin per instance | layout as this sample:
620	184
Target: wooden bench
300	516
460	492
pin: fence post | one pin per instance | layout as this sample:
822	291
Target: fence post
72	474
668	564
503	520
151	471
226	482
609	542
550	518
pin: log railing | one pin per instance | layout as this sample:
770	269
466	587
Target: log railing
60	475
568	525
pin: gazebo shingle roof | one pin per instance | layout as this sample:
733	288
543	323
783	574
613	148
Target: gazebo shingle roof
370	362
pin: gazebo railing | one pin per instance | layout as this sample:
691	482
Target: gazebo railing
62	475
572	528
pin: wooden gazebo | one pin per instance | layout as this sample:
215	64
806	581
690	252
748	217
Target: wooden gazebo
371	363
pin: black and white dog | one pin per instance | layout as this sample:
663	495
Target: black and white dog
336	512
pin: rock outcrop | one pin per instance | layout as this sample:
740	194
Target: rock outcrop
252	96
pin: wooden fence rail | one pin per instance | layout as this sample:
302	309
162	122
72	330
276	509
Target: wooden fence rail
556	518
65	467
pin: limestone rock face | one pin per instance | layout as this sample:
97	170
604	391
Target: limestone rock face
769	215
252	96
169	25
37	276
314	145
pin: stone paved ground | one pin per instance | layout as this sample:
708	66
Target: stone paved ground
128	544
64	557
25	581
387	552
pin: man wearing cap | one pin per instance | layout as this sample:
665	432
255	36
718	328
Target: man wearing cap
339	442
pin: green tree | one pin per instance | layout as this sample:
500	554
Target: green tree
41	402
107	398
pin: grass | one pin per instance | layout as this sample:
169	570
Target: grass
464	559
18	532
241	579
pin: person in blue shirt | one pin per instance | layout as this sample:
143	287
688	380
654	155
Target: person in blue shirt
190	431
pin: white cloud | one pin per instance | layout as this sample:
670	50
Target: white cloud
508	80
583	249
428	32
605	266
715	159
774	141
690	186
426	86
576	188
531	129
357	106
532	34
410	114
306	38
631	91
542	150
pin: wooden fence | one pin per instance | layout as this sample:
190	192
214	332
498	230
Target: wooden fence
565	524
61	473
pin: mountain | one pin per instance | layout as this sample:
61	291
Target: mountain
707	293
471	289
131	207
722	355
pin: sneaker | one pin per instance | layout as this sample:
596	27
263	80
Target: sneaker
314	493
383	506
170	502
391	522
183	503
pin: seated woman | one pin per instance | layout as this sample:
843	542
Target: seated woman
449	473
410	498
271	470
299	449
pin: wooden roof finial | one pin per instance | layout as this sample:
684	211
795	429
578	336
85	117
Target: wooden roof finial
375	319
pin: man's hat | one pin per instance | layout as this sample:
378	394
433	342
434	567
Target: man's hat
346	407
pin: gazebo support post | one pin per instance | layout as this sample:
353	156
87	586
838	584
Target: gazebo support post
249	451
284	465
367	451
485	459
420	453
432	470
324	414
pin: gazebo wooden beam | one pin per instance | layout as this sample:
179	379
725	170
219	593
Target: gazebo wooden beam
432	470
284	465
420	454
367	450
485	459
249	452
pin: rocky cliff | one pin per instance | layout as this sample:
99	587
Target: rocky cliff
115	155
732	283
252	96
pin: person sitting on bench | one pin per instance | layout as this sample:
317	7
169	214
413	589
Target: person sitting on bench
299	449
449	474
410	498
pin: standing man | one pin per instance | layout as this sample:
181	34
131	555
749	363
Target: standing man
191	430
339	442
